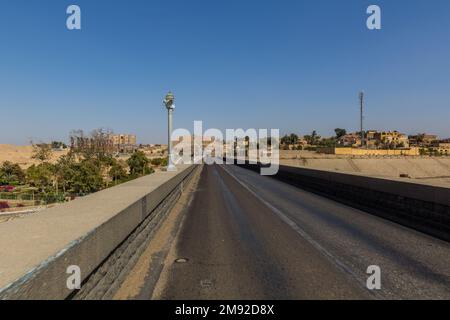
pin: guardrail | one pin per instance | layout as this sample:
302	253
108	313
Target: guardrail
423	207
36	251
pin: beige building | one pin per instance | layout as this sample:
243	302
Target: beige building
392	139
444	148
124	143
376	140
423	140
350	140
123	139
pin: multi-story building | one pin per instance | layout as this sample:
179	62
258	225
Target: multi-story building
124	143
423	140
443	147
371	141
392	139
350	140
375	140
123	139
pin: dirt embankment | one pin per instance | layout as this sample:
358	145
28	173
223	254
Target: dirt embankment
23	155
434	170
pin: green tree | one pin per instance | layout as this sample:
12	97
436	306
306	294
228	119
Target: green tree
289	139
156	162
64	171
58	145
315	137
294	138
42	152
41	176
118	171
11	173
138	164
312	139
327	142
420	138
86	177
340	132
159	162
307	138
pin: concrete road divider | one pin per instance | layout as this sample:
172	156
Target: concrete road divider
39	253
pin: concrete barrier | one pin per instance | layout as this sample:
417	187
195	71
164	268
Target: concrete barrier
36	251
425	208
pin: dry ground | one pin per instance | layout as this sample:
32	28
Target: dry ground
23	155
432	170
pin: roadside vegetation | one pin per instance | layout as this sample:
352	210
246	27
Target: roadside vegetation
89	166
312	141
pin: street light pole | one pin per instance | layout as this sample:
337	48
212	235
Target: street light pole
169	103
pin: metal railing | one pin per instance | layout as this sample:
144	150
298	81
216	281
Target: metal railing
19	196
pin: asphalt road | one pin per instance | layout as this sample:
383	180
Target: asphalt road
251	237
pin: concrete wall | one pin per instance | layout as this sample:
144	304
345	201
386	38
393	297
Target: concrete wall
423	207
35	251
368	152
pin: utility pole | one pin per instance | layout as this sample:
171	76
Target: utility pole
169	103
361	104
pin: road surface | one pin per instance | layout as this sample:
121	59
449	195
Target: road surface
245	236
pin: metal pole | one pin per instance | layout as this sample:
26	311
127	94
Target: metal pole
169	104
361	100
170	165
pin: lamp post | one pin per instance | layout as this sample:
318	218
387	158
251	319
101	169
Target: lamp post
169	103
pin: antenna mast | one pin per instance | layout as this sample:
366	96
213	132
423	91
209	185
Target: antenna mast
361	104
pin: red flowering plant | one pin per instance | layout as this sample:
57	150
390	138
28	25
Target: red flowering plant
4	205
7	188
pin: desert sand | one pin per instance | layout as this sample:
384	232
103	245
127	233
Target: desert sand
23	155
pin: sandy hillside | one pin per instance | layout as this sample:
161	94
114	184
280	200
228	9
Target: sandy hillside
22	155
434	170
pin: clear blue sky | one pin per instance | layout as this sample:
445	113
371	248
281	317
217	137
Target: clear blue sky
295	65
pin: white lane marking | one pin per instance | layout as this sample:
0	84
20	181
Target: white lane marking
305	235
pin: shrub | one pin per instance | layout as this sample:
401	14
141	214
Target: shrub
50	198
4	205
158	162
11	173
138	164
118	171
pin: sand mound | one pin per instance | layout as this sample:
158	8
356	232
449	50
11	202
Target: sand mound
22	155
